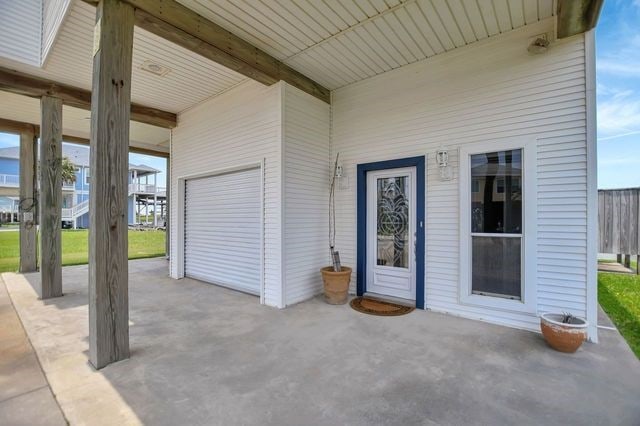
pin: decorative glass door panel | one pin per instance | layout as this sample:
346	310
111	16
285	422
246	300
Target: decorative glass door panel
393	243
391	232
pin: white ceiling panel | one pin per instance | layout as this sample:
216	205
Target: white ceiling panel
338	42
190	80
76	122
334	42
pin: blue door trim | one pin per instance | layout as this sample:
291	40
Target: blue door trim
419	164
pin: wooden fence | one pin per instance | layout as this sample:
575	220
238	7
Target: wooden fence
619	221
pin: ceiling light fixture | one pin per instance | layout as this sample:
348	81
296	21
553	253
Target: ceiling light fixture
154	68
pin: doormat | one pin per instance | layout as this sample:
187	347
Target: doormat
378	307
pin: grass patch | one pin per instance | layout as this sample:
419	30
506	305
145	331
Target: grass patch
619	296
142	244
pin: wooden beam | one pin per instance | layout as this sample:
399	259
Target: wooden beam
18	127
50	205
108	260
134	149
184	27
577	16
27	206
36	87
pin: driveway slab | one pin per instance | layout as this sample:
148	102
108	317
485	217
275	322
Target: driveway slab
202	354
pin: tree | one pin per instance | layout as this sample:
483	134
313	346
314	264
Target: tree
68	171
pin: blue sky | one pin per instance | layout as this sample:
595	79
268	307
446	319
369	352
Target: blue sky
618	88
618	78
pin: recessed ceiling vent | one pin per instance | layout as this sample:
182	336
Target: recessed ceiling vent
154	68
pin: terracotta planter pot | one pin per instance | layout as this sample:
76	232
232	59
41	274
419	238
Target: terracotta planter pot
336	285
563	337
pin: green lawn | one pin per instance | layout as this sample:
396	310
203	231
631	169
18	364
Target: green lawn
619	296
74	247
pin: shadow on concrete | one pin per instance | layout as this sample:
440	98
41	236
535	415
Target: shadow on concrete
71	297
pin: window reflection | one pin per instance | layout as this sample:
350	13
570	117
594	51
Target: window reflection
496	195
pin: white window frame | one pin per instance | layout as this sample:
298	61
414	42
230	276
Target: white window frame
528	302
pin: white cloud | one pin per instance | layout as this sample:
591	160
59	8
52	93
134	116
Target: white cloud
618	113
619	66
611	162
623	59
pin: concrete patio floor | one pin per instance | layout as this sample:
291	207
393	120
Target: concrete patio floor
202	354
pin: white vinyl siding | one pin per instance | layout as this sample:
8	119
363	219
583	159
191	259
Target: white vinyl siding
489	91
222	230
237	128
53	13
306	193
20	30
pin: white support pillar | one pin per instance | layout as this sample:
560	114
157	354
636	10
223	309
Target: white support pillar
155	209
167	233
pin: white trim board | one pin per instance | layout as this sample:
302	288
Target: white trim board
592	186
528	304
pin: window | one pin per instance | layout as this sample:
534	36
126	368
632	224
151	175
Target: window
496	225
475	185
495	271
87	177
515	183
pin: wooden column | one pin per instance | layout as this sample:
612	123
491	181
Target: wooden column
28	201
109	152
50	205
627	261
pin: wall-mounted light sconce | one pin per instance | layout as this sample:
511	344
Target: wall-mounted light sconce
342	181
442	159
539	45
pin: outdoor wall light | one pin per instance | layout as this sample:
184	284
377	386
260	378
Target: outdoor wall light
342	181
442	159
539	45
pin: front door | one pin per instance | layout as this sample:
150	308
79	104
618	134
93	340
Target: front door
391	232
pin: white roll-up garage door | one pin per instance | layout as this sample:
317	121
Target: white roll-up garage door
222	230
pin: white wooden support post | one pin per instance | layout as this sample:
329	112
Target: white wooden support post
109	152
50	197
155	209
167	233
27	204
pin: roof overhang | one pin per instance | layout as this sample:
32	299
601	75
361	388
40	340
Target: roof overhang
577	16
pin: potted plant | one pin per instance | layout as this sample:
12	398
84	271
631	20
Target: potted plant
563	332
336	278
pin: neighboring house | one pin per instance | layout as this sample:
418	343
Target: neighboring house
143	195
466	133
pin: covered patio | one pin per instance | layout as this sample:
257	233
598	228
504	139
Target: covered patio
203	352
